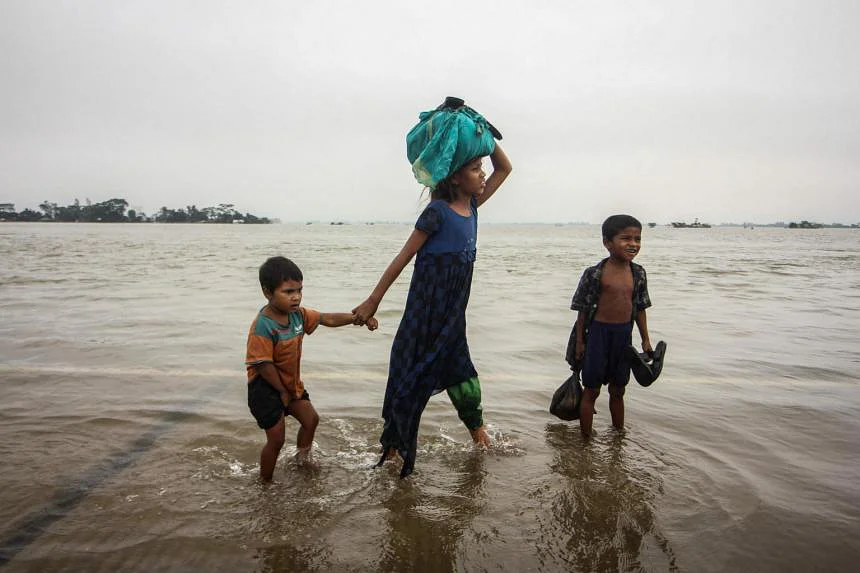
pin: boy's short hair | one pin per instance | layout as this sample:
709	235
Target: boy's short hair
277	270
617	223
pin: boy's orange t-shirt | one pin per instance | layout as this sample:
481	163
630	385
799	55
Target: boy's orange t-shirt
281	344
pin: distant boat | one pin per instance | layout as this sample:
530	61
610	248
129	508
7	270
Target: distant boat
804	225
694	225
652	225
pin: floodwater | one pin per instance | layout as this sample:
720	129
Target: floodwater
126	443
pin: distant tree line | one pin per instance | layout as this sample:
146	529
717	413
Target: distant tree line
116	211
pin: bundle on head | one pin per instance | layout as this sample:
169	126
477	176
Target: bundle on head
445	139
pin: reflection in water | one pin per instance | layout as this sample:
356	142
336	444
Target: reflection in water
289	519
602	518
426	522
298	526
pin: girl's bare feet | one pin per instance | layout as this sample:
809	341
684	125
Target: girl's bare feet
481	437
391	454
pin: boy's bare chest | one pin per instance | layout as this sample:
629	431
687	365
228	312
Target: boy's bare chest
616	283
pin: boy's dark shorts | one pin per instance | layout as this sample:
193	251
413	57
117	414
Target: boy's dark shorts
265	403
604	361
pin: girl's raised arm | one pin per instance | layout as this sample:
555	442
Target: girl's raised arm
501	169
368	308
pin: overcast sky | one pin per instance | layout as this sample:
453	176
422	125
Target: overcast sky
669	110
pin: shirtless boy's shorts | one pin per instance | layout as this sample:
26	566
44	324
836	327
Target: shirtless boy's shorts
265	403
605	362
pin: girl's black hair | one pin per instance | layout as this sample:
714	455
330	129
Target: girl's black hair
276	271
443	190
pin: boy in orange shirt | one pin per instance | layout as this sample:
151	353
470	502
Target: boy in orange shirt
273	360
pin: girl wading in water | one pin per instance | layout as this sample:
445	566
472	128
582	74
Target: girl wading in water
430	352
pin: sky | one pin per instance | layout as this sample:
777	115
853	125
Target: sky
726	111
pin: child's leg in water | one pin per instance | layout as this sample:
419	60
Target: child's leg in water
481	437
390	454
466	398
269	454
304	412
586	409
616	405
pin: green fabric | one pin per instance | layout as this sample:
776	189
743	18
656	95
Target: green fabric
466	397
444	140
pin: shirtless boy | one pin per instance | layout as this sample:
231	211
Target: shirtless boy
611	296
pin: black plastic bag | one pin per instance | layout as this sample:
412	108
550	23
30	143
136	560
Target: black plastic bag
565	401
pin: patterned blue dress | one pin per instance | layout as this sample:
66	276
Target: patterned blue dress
430	352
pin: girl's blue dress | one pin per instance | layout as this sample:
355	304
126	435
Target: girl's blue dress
430	352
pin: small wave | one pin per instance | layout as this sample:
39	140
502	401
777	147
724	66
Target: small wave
28	369
24	281
442	442
358	452
219	464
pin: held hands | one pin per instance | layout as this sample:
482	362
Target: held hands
370	322
365	311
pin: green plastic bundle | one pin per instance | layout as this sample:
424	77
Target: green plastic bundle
447	138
